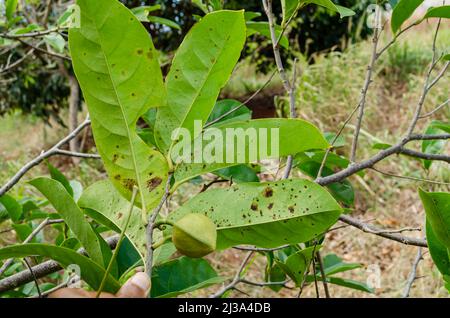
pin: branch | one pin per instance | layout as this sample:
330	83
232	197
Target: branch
365	89
44	155
288	87
151	226
367	228
9	67
435	110
410	178
413	274
32	235
237	278
426	156
45	51
430	137
41	270
29	35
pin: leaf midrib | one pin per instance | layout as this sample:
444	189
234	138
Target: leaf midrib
133	155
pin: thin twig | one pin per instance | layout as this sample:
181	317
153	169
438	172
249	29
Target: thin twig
438	108
32	235
237	278
322	274
44	155
36	283
29	35
231	111
367	228
151	225
413	274
365	89
409	178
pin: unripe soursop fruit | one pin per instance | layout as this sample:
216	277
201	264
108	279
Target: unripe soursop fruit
194	235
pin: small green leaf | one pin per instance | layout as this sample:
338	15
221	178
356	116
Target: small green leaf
296	265
437	209
238	174
64	204
343	11
439	253
263	29
182	275
402	12
349	283
438	12
267	214
163	21
143	12
433	146
13	208
56	42
58	176
10	8
90	271
333	264
224	106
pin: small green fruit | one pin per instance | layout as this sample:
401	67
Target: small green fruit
194	235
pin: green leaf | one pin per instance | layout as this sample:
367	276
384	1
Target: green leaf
433	146
444	126
164	21
267	214
343	12
64	204
182	275
58	176
446	57
275	274
288	8
23	231
295	136
142	12
250	15
342	190
10	8
402	12
349	283
439	253
224	106
438	12
238	174
333	264
117	67
90	272
437	209
56	42
200	69
296	265
112	211
263	29
13	208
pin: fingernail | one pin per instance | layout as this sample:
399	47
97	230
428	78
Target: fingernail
141	280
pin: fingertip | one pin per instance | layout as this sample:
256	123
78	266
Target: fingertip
137	286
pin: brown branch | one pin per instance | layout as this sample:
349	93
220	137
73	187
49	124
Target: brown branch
55	150
413	274
42	270
237	278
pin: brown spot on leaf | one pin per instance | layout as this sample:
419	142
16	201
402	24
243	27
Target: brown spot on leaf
291	209
129	183
153	183
140	51
270	206
268	192
119	216
115	157
254	206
